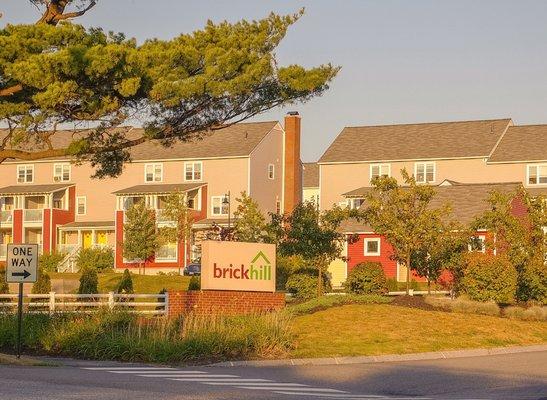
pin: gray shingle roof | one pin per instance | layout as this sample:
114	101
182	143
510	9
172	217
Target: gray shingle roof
30	189
416	141
522	143
159	188
310	175
89	224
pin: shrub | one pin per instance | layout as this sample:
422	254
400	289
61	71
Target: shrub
42	284
100	259
534	313
50	261
287	266
4	287
303	284
129	337
488	277
464	305
89	281
325	302
126	283
366	278
195	283
395	286
532	281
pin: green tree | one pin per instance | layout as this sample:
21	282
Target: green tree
404	216
61	73
43	283
250	223
126	283
520	236
176	209
4	287
89	281
313	235
140	237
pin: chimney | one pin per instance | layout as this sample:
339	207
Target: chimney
292	179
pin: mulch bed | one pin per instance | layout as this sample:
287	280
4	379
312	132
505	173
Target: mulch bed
413	302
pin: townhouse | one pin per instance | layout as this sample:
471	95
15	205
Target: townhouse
310	182
57	204
465	159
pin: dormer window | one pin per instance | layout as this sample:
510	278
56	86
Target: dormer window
153	172
537	174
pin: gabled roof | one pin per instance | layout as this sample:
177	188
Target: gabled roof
33	189
522	143
159	188
466	201
464	139
310	175
238	140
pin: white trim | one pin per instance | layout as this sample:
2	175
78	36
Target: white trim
283	169
62	165
249	176
153	165
400	160
31	166
425	164
379	165
372	254
509	124
536	166
482	238
193	163
516	162
85	205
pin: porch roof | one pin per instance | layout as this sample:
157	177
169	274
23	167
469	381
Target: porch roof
88	225
33	189
159	188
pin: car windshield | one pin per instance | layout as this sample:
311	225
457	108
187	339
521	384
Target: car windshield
193	268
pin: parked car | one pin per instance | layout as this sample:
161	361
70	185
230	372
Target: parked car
192	269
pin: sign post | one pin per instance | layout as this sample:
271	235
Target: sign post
21	267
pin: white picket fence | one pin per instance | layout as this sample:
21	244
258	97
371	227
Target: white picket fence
156	304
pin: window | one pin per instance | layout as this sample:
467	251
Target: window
355	204
537	174
424	172
219	205
153	172
377	170
277	206
372	247
271	171
81	205
192	171
25	173
478	243
61	172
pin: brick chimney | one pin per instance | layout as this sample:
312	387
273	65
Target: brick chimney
292	163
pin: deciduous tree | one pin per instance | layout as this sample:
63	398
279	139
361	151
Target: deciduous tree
250	223
140	236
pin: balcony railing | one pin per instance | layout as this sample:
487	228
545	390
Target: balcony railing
167	252
6	217
33	215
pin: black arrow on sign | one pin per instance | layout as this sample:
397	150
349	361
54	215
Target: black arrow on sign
25	274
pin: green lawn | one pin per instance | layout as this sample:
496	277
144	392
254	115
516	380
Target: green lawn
376	329
141	283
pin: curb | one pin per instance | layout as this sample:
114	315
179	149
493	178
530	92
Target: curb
435	355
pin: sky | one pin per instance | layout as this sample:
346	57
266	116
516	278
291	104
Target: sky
402	61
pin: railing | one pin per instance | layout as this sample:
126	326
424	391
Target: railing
167	252
3	251
33	215
6	217
156	304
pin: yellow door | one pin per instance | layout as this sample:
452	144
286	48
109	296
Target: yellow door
87	239
102	239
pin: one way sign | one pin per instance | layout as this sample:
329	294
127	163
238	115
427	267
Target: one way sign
22	263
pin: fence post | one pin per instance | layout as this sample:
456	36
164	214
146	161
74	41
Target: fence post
166	304
51	302
111	300
411	292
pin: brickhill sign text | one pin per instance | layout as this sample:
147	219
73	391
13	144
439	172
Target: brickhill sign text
238	266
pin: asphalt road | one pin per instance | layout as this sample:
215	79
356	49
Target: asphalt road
510	376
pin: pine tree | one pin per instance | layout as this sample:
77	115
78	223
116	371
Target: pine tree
140	236
89	281
126	283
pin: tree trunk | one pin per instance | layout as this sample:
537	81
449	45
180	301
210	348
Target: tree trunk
408	275
428	285
319	281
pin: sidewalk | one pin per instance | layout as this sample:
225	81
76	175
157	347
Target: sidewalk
384	358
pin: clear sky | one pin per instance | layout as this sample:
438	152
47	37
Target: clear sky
402	61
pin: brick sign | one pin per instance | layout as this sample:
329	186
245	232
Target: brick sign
237	266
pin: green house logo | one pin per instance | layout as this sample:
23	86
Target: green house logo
261	268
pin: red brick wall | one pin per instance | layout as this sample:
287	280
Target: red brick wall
223	302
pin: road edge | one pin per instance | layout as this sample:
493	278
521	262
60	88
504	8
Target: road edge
433	355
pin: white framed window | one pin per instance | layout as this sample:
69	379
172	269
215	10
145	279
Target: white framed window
61	172
153	172
271	171
193	171
377	170
478	243
355	204
372	247
537	174
81	205
219	205
424	172
25	173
